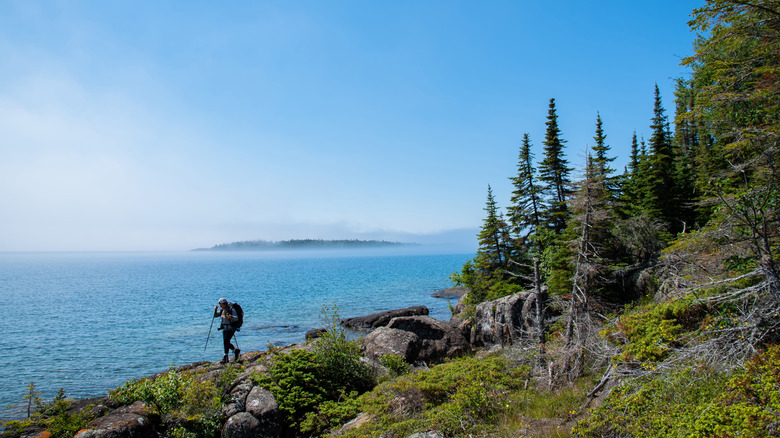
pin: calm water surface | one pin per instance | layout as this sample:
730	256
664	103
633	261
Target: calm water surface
87	322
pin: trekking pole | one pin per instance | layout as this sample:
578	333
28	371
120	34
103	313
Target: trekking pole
209	336
236	339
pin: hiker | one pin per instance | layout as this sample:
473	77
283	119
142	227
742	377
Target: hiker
229	318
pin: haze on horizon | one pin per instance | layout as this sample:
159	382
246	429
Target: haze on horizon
177	125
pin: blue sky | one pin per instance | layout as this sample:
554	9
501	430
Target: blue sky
150	125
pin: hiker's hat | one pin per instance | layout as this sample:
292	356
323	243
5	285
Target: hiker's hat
222	301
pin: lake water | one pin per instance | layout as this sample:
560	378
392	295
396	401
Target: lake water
88	322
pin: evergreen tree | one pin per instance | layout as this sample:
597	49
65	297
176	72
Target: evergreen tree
524	213
491	254
657	180
601	157
488	275
735	69
554	173
686	142
633	164
629	200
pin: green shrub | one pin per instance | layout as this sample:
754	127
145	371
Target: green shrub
659	406
52	416
694	402
340	357
458	398
652	331
314	388
750	403
396	364
195	404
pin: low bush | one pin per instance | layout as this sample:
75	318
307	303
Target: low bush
694	402
315	389
53	416
458	398
396	364
195	405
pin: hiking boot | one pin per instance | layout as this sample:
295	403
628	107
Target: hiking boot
224	359
237	353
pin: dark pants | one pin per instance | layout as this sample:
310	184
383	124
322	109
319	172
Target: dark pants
227	335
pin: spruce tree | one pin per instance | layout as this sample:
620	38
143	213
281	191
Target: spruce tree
554	173
601	158
629	201
526	208
658	184
735	69
686	143
488	270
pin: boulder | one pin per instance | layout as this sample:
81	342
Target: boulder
385	340
315	333
462	325
237	401
503	321
439	340
460	306
262	405
451	293
127	422
382	318
427	434
355	423
242	425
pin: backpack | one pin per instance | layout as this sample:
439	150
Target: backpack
240	312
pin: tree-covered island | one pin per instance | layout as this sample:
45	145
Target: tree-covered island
264	245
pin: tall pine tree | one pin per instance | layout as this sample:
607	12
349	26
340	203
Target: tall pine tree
554	173
657	179
526	204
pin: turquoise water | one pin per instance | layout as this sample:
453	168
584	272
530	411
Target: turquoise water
87	322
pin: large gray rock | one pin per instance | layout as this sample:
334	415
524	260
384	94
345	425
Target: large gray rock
428	434
132	421
242	425
381	319
462	325
386	340
439	339
237	401
503	321
262	405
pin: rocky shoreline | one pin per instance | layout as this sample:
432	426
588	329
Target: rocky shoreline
252	410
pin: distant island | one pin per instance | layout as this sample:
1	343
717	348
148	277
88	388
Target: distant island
264	245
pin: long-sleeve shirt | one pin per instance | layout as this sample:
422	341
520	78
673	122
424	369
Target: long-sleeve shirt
227	315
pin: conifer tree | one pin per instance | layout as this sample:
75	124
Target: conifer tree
601	158
554	173
657	181
489	267
633	164
526	204
492	236
629	200
735	69
686	142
